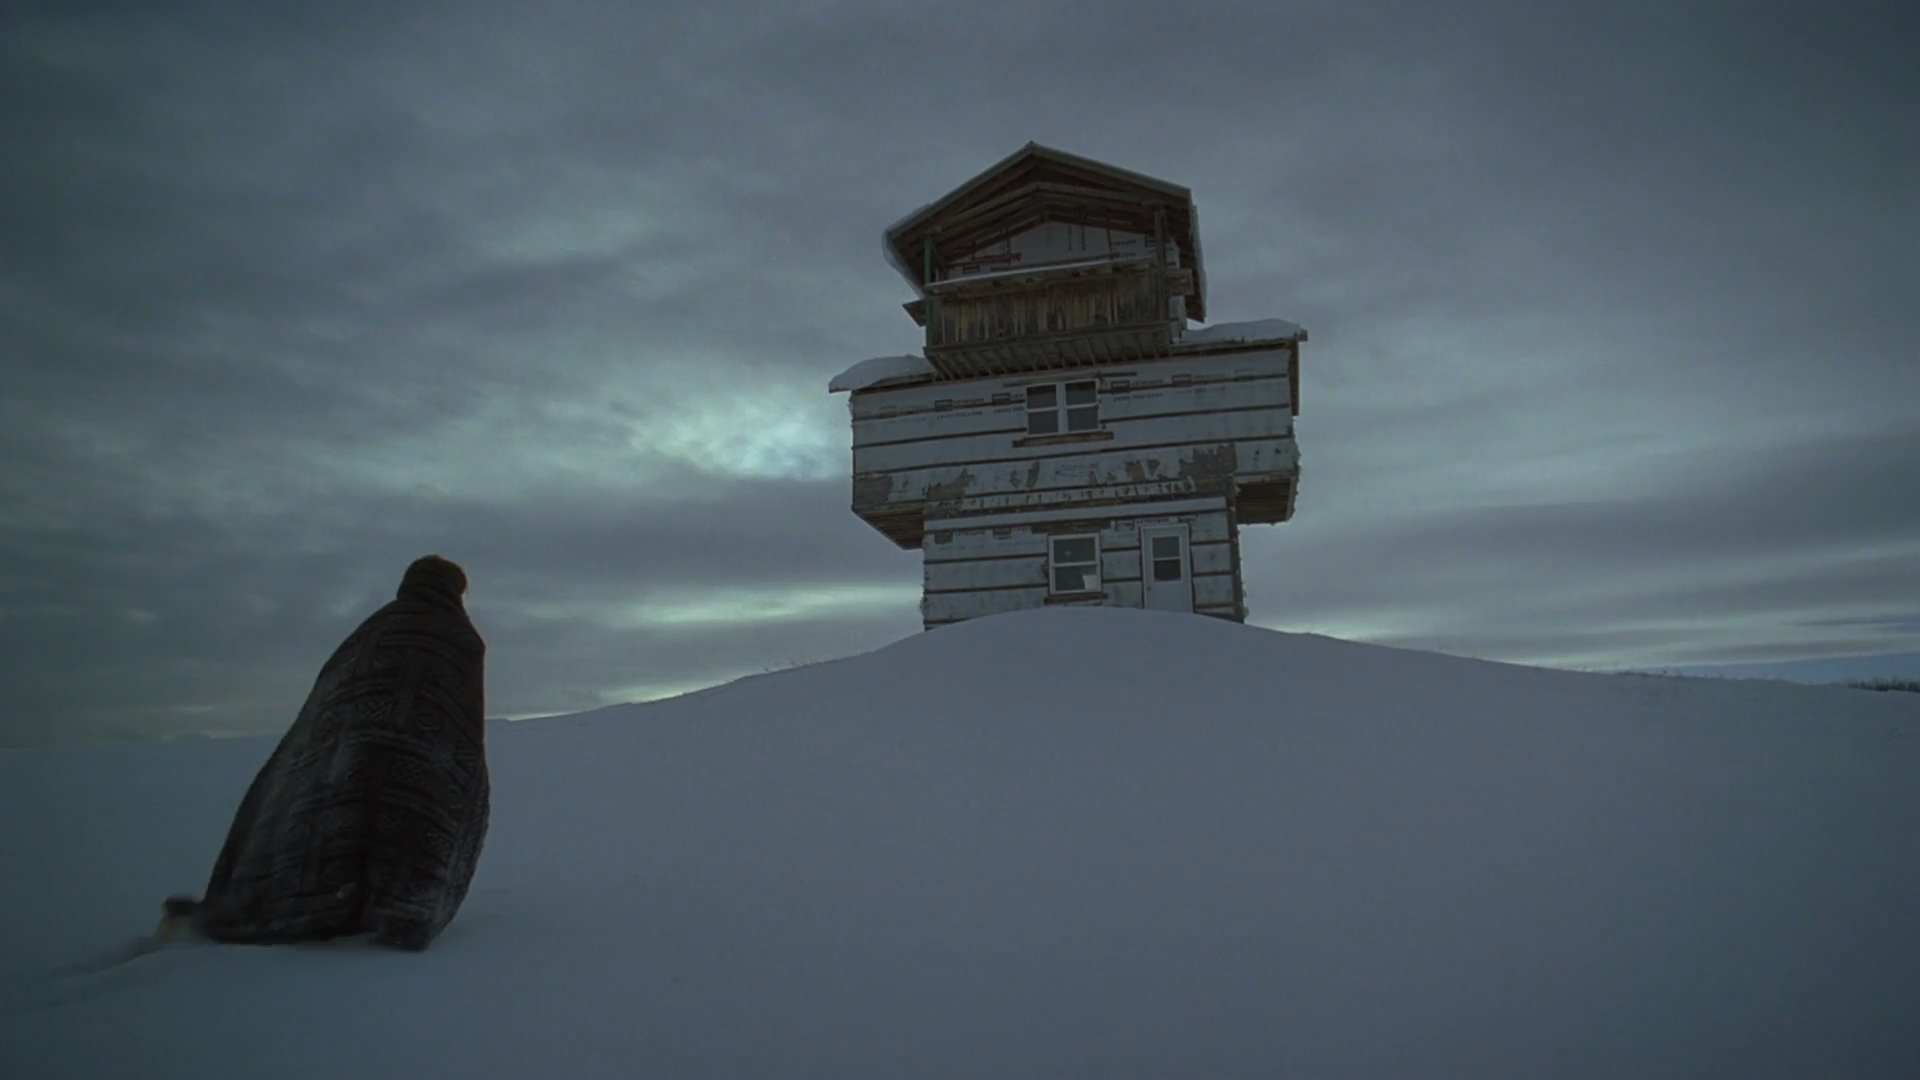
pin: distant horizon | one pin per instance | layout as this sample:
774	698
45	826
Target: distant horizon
1816	671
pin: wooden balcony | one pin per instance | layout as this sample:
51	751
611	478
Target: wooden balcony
1047	318
1266	502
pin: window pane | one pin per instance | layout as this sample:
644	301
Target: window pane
1043	423
1166	547
1078	549
1087	419
1072	578
1166	569
1080	393
1040	397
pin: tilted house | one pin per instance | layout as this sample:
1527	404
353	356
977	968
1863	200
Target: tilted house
1066	438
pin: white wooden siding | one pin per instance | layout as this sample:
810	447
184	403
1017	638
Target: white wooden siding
1121	564
968	575
1263	392
1164	424
979	543
1120	529
1181	378
1210	526
1180	488
925	424
987	571
1211	557
1207	528
1212	591
952	607
949	428
1003	444
939	609
971	574
1067	515
1080	470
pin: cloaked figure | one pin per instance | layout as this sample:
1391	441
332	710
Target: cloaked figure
370	815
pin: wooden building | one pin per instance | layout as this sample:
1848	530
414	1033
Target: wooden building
1066	437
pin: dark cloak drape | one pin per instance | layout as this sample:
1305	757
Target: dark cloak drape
370	814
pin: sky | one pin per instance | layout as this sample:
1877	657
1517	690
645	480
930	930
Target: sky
1611	310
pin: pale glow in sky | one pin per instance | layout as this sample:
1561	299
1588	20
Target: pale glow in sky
776	433
697	606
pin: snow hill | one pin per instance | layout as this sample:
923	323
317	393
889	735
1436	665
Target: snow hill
1057	843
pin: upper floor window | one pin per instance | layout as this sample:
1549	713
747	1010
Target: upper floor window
1056	407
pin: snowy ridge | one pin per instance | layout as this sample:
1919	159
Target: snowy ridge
1061	842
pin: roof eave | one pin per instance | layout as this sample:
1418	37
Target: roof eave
900	236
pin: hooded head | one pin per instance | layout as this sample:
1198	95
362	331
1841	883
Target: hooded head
432	576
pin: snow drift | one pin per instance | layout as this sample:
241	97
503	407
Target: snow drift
1082	842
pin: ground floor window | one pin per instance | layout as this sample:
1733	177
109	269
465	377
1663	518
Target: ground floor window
1076	564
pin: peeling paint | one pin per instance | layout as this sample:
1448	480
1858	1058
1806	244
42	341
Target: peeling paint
872	489
1211	462
950	489
1105	494
961	457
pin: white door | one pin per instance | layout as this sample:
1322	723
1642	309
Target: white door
1165	569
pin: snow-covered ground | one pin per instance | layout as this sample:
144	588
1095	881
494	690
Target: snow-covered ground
1057	843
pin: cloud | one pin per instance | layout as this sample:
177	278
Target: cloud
222	623
1608	303
1696	559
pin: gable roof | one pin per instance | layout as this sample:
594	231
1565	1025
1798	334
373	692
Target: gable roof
1036	184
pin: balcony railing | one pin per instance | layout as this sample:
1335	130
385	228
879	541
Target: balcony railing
1044	320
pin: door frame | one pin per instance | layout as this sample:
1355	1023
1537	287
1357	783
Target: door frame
1183	530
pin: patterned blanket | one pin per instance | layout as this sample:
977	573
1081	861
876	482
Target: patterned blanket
370	814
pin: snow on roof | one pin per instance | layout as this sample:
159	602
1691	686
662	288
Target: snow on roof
881	369
904	218
912	274
854	868
1245	333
